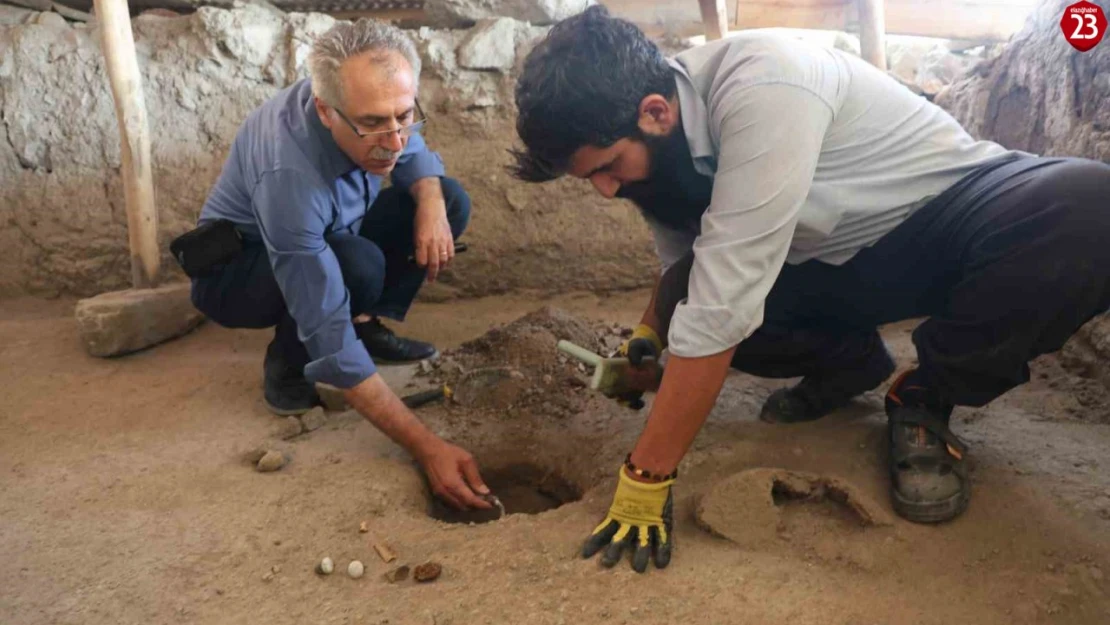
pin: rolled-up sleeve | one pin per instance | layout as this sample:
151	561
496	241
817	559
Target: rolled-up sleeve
293	214
770	137
417	162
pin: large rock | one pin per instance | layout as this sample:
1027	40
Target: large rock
61	200
491	45
1040	95
464	13
121	322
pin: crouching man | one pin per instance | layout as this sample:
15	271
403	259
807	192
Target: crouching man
326	253
800	198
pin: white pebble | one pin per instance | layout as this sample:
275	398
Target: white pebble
355	569
325	567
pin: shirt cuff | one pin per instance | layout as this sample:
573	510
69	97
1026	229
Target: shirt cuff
425	164
699	331
343	369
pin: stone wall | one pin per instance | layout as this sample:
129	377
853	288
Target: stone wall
1040	94
61	201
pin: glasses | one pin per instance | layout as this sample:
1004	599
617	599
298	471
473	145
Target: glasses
404	131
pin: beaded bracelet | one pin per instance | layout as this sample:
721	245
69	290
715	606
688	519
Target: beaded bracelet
648	475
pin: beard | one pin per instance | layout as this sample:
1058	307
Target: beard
674	193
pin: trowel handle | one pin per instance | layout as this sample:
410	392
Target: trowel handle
581	353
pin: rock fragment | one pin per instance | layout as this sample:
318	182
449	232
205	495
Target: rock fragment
398	574
290	427
272	460
314	419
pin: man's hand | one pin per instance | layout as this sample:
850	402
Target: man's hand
453	475
644	343
452	472
641	516
434	244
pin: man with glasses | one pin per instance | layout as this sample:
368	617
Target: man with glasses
326	252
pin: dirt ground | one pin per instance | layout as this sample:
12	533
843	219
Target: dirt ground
126	498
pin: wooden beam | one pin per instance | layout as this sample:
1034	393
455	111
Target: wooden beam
715	17
872	32
138	184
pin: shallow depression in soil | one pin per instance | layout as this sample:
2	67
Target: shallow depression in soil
522	489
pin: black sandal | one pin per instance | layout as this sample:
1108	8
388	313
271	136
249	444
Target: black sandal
929	478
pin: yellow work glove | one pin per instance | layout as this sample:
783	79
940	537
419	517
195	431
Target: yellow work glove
641	517
644	343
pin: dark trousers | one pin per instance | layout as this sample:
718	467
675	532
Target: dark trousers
1007	265
376	271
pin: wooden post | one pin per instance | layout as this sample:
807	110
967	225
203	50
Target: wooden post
114	19
872	32
715	17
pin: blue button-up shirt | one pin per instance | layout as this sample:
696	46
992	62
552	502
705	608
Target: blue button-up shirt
287	184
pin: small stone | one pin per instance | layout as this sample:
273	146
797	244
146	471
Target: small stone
398	574
582	367
363	528
268	577
52	20
325	566
1051	568
290	427
427	572
254	455
276	568
547	379
1096	574
314	419
516	375
271	461
355	569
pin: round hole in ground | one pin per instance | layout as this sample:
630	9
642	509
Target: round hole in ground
522	488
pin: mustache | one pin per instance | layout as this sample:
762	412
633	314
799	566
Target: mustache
383	154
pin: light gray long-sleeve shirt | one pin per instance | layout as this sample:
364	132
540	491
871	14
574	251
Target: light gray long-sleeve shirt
815	154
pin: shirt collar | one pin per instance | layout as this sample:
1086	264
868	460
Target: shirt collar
333	161
695	116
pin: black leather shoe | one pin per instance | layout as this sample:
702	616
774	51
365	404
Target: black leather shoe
284	387
818	395
385	346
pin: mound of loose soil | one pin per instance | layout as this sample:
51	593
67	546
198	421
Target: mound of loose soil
517	367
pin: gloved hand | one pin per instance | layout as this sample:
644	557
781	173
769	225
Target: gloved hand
642	517
644	343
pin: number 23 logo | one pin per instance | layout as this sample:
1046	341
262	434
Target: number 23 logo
1083	25
1091	23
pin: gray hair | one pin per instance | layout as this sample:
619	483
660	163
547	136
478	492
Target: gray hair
347	39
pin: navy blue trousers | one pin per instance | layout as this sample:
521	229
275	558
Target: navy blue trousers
376	271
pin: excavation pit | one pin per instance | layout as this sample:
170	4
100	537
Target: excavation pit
522	488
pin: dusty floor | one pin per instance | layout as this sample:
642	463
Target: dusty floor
125	500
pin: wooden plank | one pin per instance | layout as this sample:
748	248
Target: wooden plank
138	183
872	32
715	17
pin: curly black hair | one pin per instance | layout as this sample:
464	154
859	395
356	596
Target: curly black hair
582	85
